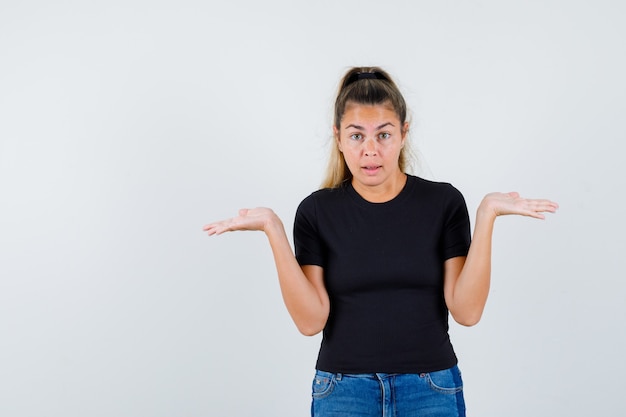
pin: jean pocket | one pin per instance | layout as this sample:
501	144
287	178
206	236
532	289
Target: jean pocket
447	381
323	384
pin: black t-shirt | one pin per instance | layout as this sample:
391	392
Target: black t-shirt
383	270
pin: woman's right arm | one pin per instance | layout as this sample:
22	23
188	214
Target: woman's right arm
302	287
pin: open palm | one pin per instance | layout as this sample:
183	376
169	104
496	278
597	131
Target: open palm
248	219
512	203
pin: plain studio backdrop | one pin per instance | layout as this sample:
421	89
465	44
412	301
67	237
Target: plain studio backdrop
125	126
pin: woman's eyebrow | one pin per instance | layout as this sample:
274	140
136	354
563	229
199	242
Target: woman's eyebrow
362	128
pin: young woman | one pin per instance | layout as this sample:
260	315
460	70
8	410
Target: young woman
381	258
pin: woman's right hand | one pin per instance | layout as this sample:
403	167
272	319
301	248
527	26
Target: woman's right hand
248	219
302	287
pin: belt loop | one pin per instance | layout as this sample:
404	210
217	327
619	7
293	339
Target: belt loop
338	376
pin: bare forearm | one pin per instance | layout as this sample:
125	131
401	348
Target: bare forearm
306	305
302	287
466	285
472	285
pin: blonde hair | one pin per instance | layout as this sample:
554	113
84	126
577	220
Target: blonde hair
370	86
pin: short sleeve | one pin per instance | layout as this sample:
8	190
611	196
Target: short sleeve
309	248
456	235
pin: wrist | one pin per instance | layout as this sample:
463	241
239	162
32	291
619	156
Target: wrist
273	224
486	210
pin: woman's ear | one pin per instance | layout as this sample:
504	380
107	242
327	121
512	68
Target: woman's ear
405	130
336	137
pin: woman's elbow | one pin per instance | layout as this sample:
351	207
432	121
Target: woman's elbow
467	320
312	326
310	329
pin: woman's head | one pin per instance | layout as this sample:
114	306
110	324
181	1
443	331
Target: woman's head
369	86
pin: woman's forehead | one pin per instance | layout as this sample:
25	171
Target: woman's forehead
369	113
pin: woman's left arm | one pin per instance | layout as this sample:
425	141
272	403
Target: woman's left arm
467	279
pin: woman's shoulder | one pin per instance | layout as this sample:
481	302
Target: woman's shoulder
327	194
440	187
438	193
323	196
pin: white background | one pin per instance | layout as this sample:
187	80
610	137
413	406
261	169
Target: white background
125	126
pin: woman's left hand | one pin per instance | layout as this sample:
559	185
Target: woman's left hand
501	204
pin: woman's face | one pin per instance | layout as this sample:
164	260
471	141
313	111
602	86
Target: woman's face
371	138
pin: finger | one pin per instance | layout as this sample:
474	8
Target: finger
219	231
544	205
223	227
535	209
549	208
551	205
217	228
544	201
214	230
536	215
212	226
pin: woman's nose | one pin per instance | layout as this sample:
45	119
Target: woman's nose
370	147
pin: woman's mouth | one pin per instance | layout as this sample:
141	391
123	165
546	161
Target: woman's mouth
371	169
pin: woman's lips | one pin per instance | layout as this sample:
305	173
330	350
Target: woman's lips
371	169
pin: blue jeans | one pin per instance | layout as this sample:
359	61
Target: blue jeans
436	394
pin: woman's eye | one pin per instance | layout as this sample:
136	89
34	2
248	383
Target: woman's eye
384	136
356	136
